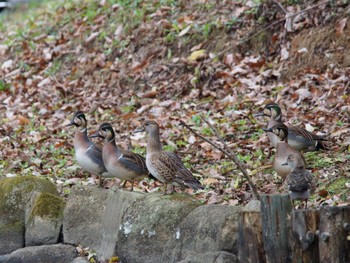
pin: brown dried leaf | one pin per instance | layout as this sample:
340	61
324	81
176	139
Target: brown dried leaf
340	26
323	193
209	181
150	95
140	66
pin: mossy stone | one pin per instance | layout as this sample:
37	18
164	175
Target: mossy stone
48	205
11	236
15	192
17	226
44	216
182	197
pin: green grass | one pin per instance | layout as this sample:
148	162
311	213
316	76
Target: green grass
55	68
322	160
169	148
4	86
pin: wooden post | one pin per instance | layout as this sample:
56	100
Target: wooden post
250	245
305	241
276	216
334	234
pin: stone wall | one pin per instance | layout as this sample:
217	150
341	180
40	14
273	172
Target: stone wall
135	227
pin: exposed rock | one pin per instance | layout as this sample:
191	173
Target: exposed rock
149	223
58	253
252	206
211	257
93	212
118	204
207	228
124	223
11	237
136	227
44	218
15	194
80	260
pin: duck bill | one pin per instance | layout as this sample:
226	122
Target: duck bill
140	129
267	130
70	124
259	114
95	135
284	164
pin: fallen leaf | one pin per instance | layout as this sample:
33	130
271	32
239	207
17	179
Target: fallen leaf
128	116
323	193
184	31
340	26
118	32
7	64
284	53
196	55
92	37
309	127
210	180
3	49
140	66
150	95
59	144
44	82
214	199
23	120
196	47
303	50
228	60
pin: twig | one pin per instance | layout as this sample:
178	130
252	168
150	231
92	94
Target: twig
218	135
204	139
229	154
234	158
283	19
280	6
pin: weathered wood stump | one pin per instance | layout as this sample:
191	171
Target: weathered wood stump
276	215
250	244
280	234
334	234
305	241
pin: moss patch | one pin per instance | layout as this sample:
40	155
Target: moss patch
28	182
182	197
14	227
48	205
15	192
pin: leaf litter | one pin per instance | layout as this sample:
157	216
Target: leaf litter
171	62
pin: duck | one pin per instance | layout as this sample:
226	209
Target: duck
88	155
283	150
299	138
299	182
166	166
122	164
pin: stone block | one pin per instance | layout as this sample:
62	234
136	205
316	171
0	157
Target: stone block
15	194
207	228
44	218
58	253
